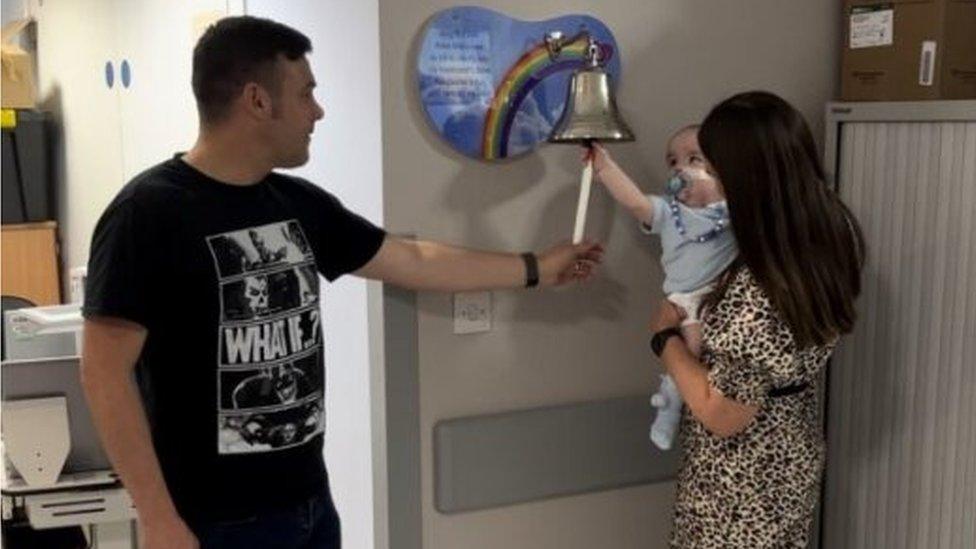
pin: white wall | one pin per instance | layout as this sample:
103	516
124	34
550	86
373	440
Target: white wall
679	58
346	159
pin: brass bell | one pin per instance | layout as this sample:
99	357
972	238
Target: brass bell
591	112
590	115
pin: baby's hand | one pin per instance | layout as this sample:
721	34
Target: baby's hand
600	156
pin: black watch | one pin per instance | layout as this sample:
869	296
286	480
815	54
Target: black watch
660	339
531	269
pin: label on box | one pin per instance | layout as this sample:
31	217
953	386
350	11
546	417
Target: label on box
22	327
926	64
872	26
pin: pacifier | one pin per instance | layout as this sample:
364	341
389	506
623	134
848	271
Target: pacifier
682	178
676	183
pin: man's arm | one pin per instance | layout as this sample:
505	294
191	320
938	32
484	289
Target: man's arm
111	349
425	265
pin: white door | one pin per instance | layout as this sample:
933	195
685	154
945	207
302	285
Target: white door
78	83
346	160
155	46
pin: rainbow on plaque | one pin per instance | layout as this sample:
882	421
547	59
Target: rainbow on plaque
488	83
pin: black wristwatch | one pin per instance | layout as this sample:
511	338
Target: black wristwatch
531	270
660	339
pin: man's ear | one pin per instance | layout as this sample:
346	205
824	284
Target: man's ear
257	101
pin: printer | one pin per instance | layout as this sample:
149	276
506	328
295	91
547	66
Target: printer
56	473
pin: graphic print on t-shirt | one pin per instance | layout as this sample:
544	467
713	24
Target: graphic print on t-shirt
269	378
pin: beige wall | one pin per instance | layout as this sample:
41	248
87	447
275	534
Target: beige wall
679	58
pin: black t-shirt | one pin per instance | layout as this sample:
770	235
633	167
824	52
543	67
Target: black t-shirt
225	279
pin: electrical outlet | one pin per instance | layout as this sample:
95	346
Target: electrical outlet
472	312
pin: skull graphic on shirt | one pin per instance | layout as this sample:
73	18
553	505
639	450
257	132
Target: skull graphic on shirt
256	292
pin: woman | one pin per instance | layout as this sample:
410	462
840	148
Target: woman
752	443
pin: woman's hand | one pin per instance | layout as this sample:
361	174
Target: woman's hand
667	315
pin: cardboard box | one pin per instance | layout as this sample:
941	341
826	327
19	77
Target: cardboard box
18	87
906	50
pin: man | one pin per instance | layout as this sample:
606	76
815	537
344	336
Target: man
195	284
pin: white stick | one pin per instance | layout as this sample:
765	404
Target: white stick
584	201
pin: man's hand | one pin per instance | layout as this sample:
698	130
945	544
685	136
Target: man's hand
567	262
427	265
112	348
166	533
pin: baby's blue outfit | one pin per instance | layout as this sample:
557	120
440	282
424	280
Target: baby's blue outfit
689	265
668	402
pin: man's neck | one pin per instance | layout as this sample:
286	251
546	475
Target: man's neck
228	158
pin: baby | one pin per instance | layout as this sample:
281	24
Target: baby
692	220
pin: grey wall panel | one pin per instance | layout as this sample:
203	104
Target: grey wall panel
489	461
402	417
901	469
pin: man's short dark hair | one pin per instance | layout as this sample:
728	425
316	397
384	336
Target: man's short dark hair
238	50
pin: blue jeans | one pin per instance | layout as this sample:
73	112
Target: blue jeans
312	524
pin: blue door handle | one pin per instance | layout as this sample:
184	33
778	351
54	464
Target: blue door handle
126	73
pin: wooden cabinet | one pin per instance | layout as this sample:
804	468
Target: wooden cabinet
30	262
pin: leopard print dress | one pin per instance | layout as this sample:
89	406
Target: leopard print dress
758	488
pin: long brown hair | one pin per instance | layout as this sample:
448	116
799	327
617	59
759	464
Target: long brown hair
801	243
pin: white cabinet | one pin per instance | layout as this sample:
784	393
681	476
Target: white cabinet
116	75
158	112
75	41
901	440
